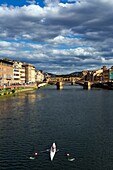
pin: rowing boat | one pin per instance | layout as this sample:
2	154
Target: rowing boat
52	151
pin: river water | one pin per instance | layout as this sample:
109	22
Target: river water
79	121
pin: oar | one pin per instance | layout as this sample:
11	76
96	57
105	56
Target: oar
47	150
69	158
57	150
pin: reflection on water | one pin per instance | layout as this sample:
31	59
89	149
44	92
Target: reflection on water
30	97
18	105
79	121
20	99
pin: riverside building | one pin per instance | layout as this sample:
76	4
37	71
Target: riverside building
6	72
39	76
30	73
19	72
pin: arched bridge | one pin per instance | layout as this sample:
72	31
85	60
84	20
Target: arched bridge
60	81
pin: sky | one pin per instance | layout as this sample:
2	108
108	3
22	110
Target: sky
58	36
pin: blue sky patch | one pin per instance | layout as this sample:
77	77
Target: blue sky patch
21	2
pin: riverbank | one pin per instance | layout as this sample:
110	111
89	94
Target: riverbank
7	92
11	90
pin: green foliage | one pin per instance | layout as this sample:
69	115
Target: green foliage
13	91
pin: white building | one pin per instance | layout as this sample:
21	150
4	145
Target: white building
18	72
39	76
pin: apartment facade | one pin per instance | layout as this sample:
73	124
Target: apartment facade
16	72
105	74
19	72
22	74
39	76
97	75
29	73
111	74
6	72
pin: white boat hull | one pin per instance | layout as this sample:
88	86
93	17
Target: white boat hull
52	151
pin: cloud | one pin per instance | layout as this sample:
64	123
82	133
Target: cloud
31	1
51	2
58	35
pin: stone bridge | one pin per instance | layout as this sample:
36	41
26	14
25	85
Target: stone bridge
54	80
60	81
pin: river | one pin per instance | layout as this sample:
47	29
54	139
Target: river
79	121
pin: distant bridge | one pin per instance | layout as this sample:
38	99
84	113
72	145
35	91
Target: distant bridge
54	80
60	81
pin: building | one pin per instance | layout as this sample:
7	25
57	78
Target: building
84	74
6	72
111	74
16	72
105	74
22	74
97	75
29	73
19	72
88	76
39	76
